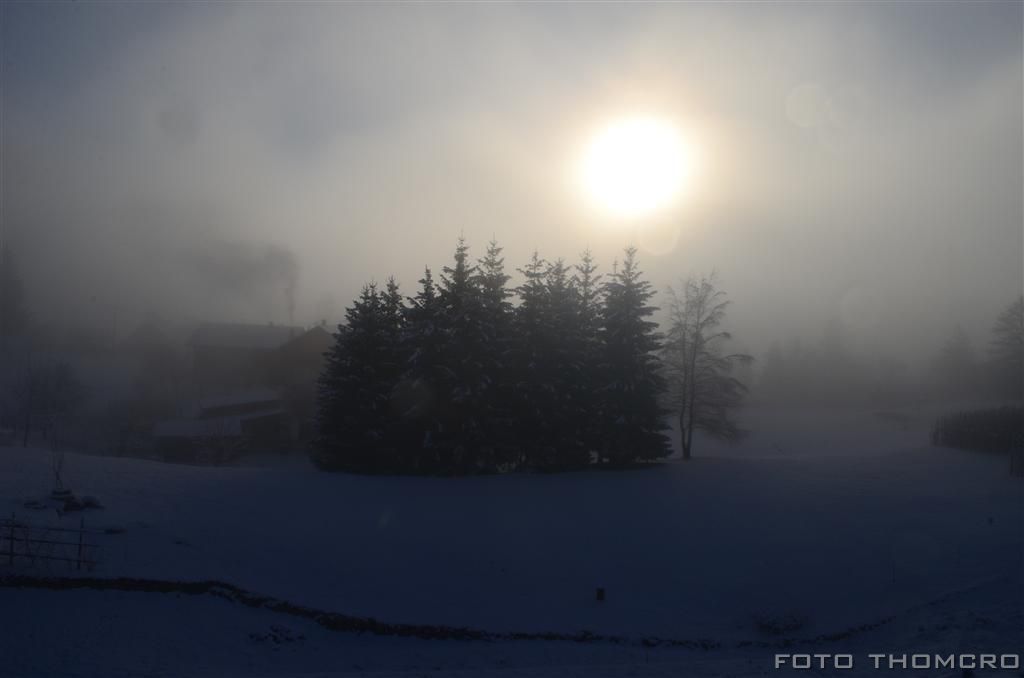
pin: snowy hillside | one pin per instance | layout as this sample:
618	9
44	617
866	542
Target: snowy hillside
722	549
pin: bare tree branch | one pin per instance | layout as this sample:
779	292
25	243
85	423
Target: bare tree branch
702	390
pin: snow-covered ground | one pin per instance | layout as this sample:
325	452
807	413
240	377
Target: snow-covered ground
115	635
831	521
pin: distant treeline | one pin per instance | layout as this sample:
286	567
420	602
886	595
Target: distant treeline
993	430
829	371
458	380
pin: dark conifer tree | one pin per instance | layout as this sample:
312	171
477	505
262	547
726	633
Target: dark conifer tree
496	404
564	369
547	362
633	418
422	345
391	303
587	283
393	310
534	396
462	436
355	388
393	365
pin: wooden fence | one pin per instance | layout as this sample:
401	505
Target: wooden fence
22	543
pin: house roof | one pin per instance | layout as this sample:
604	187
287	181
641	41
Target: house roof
252	396
241	335
198	428
212	427
316	340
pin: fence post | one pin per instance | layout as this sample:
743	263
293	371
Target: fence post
10	541
81	536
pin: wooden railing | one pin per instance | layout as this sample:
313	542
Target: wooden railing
23	543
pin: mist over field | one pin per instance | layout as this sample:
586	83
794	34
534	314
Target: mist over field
510	339
855	163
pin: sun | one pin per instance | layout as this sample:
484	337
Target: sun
634	167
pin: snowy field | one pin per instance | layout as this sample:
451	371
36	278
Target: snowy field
819	532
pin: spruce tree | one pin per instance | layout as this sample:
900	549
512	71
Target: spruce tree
391	304
534	396
496	399
633	418
587	284
462	435
355	388
564	369
547	366
422	345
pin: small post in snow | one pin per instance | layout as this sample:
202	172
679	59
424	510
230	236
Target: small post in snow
81	537
10	541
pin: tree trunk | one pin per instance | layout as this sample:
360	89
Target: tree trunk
28	427
689	429
684	441
692	388
689	437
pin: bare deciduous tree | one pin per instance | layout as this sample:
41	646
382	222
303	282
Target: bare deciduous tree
702	389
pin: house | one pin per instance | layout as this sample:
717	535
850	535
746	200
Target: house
227	357
256	390
226	427
293	370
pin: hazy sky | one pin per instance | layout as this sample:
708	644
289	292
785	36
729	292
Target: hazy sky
856	161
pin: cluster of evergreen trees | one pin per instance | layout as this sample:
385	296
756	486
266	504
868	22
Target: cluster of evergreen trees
458	379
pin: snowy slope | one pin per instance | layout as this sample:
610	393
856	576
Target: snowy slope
82	634
696	550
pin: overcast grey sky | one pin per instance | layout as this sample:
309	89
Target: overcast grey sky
858	161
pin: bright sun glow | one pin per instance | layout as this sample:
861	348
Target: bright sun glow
635	167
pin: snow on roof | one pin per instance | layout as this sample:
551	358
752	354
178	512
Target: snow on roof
246	397
198	428
242	335
209	427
